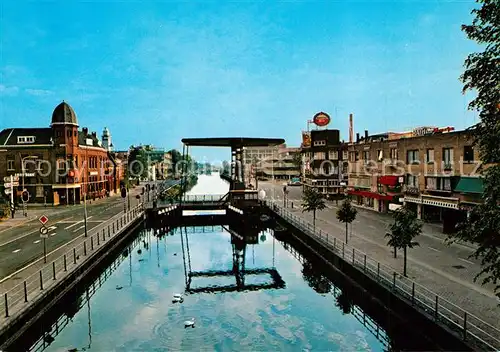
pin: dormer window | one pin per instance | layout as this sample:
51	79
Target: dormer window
25	139
319	143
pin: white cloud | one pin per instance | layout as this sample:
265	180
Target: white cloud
5	90
39	92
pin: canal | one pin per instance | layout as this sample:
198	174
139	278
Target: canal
283	302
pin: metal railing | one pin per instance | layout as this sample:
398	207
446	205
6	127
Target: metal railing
33	287
467	325
203	198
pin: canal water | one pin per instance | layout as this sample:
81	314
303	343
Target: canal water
132	308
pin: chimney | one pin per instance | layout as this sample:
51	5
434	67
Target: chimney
351	129
94	134
366	134
357	137
85	131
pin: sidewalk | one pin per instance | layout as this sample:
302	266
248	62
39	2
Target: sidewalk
431	270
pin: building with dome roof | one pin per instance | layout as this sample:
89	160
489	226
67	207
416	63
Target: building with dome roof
59	163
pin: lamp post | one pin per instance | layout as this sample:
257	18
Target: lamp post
25	210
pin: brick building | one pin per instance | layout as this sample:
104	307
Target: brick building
58	164
324	168
435	171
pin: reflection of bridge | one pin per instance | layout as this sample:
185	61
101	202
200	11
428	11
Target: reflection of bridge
239	244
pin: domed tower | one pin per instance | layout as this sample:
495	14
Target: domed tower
106	140
65	127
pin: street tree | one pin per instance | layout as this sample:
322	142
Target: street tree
482	77
405	228
312	201
346	214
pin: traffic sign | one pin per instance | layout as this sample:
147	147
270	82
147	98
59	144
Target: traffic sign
9	185
7	191
14	178
25	196
43	219
44	232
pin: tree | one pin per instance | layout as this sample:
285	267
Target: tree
312	200
315	279
344	302
346	213
404	229
482	76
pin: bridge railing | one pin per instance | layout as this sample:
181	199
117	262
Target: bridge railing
203	198
467	325
42	277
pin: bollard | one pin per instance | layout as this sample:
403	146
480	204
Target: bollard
85	248
465	326
74	255
413	293
6	306
65	267
54	270
41	281
91	243
436	308
25	292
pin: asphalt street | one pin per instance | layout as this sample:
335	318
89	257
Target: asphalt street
21	244
371	226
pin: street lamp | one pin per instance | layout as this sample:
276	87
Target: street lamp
25	210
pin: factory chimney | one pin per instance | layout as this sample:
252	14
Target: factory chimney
351	129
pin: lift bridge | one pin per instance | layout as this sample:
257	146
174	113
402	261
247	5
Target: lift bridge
240	198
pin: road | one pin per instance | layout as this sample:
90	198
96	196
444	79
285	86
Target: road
372	226
20	244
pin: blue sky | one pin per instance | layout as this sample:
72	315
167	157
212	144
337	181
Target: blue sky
155	72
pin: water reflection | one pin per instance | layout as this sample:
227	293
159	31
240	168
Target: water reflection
239	245
234	286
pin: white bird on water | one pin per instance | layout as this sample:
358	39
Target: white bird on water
189	323
177	298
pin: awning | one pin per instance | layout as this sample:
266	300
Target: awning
388	180
470	185
371	195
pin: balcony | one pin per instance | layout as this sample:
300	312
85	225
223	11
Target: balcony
447	166
412	190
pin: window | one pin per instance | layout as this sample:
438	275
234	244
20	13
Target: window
352	156
333	155
431	183
447	158
412	181
319	156
394	154
429	156
366	155
25	139
380	155
61	164
10	164
345	155
319	143
468	153
412	156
